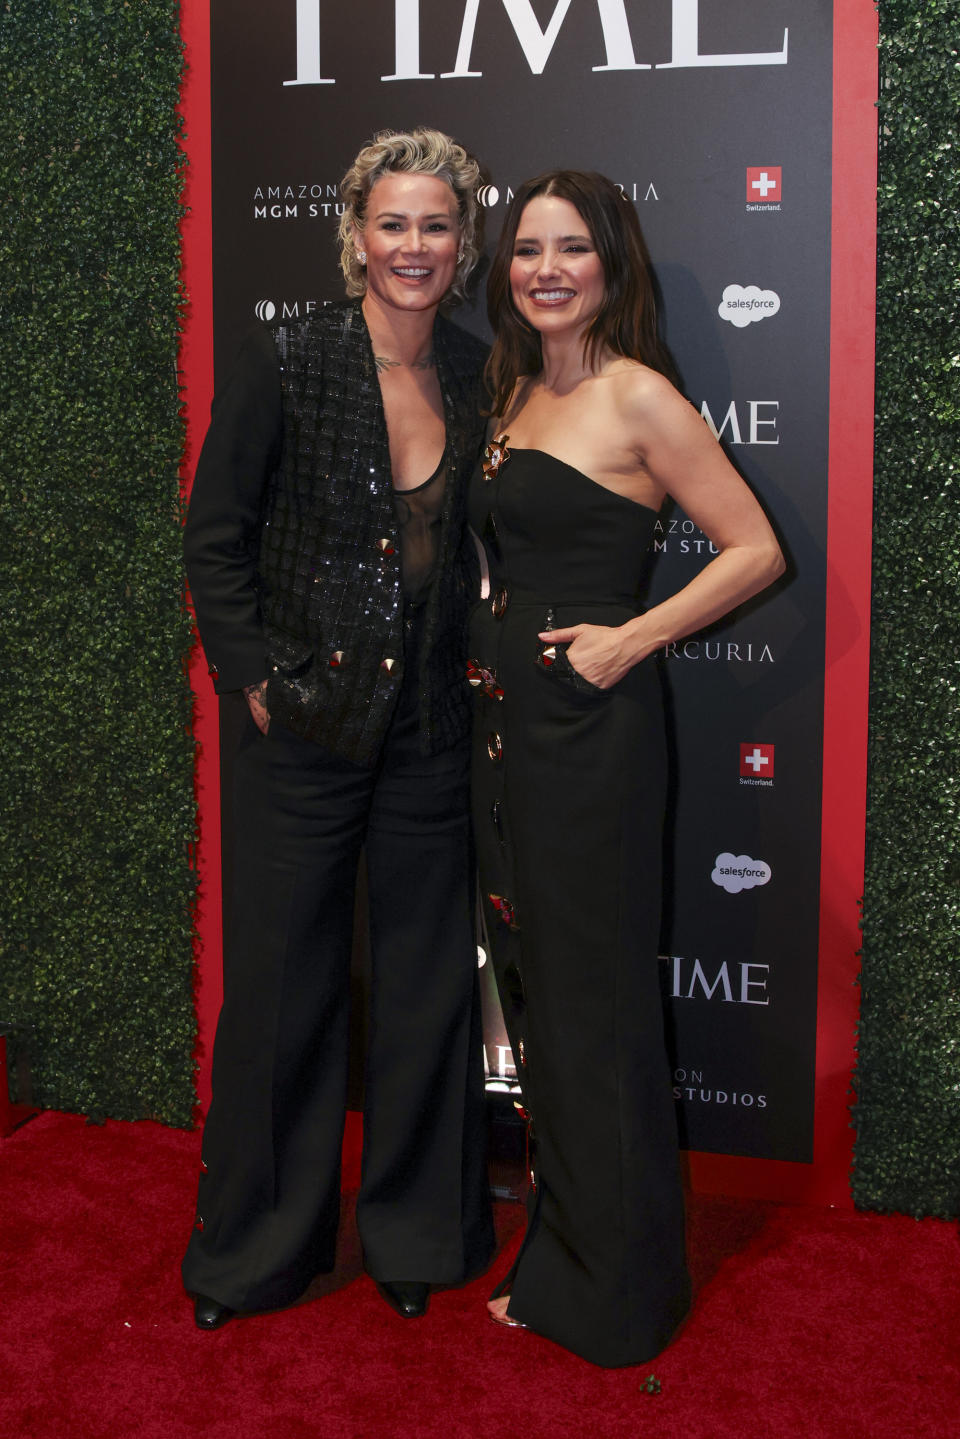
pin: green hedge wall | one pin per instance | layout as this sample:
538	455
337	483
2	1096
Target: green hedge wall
907	1110
96	787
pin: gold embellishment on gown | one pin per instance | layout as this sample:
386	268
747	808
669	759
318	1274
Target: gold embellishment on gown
495	456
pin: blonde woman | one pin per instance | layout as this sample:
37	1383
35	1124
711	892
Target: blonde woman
328	563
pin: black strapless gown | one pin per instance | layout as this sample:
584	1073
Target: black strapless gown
568	797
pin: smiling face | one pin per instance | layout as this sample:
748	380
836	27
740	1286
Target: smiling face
556	276
411	238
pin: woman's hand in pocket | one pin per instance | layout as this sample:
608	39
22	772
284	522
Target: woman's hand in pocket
256	697
596	652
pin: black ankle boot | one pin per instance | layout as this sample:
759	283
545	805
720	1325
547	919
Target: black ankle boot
407	1296
209	1313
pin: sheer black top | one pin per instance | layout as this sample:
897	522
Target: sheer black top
419	513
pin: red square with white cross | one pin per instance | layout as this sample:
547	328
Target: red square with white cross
763	184
756	761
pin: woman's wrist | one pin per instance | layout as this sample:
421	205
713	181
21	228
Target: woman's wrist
639	641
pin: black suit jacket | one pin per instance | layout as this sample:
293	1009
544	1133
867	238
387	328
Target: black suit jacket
291	545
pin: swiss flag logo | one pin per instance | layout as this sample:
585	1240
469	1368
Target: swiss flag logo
763	183
756	761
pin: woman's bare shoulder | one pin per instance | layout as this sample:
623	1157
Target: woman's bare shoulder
645	396
637	384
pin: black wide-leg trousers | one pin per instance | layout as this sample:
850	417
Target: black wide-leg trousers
269	1193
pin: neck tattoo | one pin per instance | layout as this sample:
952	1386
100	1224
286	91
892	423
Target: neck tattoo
426	362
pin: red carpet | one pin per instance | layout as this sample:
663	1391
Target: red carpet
807	1322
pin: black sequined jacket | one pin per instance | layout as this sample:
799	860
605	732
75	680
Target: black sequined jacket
291	545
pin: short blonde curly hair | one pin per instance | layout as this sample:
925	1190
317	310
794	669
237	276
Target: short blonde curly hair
419	152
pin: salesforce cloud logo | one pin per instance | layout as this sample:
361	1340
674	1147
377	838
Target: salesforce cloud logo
741	305
734	872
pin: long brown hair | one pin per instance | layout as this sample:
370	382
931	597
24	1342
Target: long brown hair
626	321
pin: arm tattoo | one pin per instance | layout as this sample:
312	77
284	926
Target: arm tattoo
257	694
426	362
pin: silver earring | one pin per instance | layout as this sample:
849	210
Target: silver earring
459	257
362	256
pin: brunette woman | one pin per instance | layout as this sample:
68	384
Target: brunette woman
590	437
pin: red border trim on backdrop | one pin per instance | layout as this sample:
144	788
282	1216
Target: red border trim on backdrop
196	374
853	246
849	525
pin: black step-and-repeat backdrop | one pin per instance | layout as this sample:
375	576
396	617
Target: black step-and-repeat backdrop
715	119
